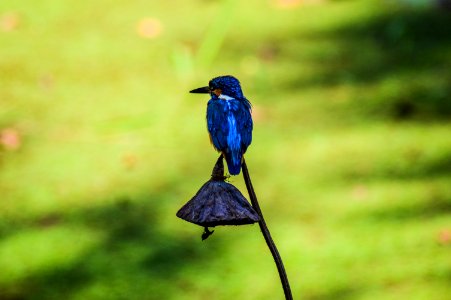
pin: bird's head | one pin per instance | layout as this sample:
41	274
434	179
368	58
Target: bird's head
222	85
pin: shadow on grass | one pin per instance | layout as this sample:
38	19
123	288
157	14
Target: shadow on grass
136	259
404	46
436	206
434	168
408	166
341	293
437	201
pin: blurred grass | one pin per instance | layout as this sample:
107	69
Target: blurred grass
351	156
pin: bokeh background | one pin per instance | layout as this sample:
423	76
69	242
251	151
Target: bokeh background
101	144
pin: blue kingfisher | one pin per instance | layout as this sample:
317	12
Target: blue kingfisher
229	119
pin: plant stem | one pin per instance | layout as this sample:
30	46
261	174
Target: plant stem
216	34
265	231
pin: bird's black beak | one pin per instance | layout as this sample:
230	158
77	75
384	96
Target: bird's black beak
201	90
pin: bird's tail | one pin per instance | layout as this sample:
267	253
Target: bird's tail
233	162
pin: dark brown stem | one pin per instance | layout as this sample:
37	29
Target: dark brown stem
271	245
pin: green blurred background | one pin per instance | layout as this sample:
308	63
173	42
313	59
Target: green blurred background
101	144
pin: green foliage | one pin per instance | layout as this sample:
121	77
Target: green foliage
101	144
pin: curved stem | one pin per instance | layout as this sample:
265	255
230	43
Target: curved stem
265	231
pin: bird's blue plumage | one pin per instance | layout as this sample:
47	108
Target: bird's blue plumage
229	121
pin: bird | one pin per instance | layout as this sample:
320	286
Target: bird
229	119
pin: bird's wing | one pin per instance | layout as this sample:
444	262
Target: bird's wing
217	123
245	126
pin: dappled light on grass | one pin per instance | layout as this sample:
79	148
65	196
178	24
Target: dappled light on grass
87	250
9	21
290	4
286	4
100	143
129	161
149	28
10	139
444	237
34	251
